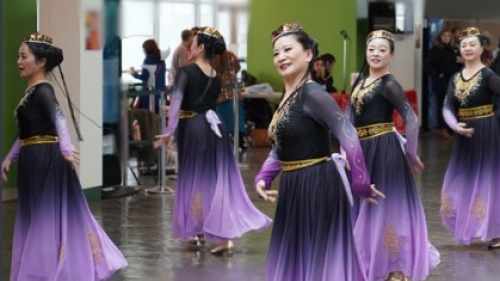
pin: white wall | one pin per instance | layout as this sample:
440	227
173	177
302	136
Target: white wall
64	21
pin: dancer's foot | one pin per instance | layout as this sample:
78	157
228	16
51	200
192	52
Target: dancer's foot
227	246
198	240
201	239
494	244
397	276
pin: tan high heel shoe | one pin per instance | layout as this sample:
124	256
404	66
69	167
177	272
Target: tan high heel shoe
223	247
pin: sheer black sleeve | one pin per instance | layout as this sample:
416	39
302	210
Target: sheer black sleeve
395	94
181	82
320	106
449	110
45	95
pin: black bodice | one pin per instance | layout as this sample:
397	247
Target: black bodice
197	96
478	90
300	136
36	113
370	106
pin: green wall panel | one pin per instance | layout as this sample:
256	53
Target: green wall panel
18	19
322	19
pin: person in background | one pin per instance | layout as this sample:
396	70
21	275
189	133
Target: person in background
329	61
152	74
319	75
181	55
441	63
227	67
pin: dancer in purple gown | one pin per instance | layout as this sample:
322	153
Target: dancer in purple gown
56	238
398	244
312	237
211	203
471	188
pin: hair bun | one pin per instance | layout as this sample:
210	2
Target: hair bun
220	46
58	56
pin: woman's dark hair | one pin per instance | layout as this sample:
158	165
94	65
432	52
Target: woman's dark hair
438	42
151	49
52	55
213	46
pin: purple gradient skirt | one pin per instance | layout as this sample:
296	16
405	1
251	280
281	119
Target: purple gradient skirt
312	235
210	196
56	238
470	207
392	235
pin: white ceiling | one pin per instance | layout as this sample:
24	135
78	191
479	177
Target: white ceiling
463	9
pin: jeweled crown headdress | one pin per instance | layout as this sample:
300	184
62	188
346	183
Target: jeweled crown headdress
469	32
210	31
379	34
285	29
38	38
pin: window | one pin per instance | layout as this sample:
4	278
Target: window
164	20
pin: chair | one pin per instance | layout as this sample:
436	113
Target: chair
146	154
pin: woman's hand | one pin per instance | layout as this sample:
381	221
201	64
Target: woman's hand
417	165
165	109
162	139
375	193
132	71
267	195
462	130
73	159
5	168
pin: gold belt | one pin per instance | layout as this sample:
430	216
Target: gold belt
186	114
475	112
39	140
299	164
374	130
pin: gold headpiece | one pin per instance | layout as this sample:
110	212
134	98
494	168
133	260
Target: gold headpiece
285	29
210	31
469	32
38	38
379	34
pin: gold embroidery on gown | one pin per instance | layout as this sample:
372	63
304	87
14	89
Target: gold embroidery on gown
62	253
463	88
197	208
360	92
479	210
95	244
447	207
392	242
281	115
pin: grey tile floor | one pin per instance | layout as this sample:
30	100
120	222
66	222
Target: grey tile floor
140	226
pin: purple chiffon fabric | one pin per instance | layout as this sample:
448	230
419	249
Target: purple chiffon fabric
471	187
398	239
210	197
